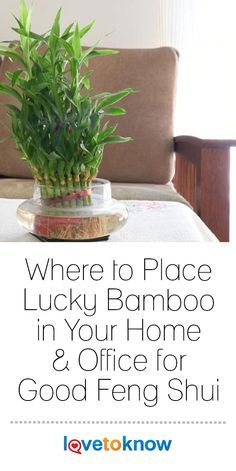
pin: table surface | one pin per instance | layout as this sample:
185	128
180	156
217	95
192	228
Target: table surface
149	221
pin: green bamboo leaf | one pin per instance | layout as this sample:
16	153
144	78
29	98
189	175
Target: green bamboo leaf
76	42
115	140
19	23
89	157
86	29
86	61
42	100
101	95
70	97
28	20
84	148
86	82
69	49
36	84
114	98
6	89
94	121
15	76
61	168
67	31
30	34
23	13
13	108
54	34
103	52
11	41
9	75
56	25
105	133
13	55
114	111
87	52
54	156
73	68
27	91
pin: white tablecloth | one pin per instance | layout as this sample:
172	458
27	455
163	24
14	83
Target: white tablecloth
149	221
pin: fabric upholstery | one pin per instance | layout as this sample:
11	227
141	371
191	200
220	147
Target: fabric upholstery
21	188
149	120
146	192
147	159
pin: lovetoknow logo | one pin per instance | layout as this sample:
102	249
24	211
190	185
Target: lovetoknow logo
124	443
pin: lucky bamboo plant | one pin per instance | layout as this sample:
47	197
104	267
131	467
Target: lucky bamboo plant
57	121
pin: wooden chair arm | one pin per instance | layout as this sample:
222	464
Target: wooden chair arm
202	177
206	143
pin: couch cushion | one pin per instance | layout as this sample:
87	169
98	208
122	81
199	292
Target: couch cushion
20	188
149	120
149	158
146	192
23	188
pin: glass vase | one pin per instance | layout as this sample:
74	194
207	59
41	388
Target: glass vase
87	215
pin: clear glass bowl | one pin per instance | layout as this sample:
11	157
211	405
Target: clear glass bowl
90	214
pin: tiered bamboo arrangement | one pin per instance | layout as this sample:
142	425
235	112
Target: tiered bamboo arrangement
57	122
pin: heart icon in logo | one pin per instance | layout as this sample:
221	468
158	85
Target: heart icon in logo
75	446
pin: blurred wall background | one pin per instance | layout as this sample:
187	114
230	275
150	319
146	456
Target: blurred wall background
202	30
133	23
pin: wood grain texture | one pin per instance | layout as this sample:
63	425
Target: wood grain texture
202	177
201	143
185	180
215	204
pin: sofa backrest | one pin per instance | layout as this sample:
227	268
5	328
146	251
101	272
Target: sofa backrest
149	121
